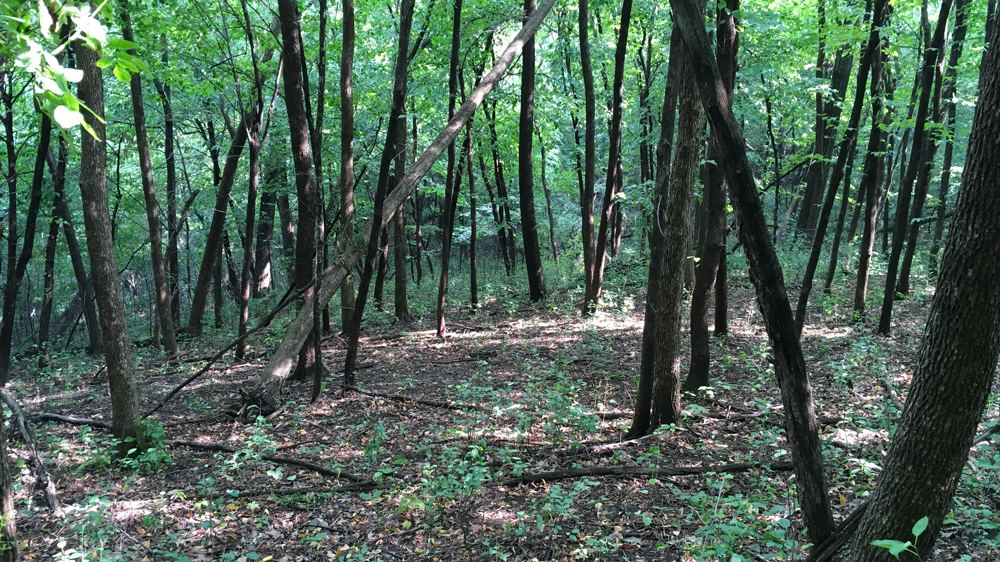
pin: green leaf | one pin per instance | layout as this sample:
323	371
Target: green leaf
104	63
119	43
919	527
122	75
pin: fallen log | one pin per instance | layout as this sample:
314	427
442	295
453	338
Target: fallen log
42	476
318	468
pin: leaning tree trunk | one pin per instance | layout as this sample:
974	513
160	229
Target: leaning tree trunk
916	163
727	42
957	359
103	266
15	274
615	142
160	282
267	389
525	166
765	272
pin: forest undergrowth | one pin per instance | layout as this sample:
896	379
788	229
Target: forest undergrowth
499	442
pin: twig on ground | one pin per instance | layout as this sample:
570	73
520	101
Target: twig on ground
46	416
274	458
636	471
401	398
42	476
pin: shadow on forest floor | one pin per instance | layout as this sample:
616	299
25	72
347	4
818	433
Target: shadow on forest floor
532	381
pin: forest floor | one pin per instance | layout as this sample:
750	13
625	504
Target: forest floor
512	391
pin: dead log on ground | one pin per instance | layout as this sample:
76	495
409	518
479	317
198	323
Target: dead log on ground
42	476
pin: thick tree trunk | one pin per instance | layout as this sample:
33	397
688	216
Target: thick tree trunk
346	237
15	274
614	140
590	160
727	42
162	287
957	359
676	246
100	246
916	163
641	421
802	429
267	389
525	167
846	150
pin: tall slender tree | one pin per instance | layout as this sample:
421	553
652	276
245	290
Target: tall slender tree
525	167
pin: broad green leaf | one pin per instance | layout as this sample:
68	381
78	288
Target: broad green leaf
121	74
920	526
123	44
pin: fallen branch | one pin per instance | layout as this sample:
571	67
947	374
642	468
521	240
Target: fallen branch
318	468
636	471
45	416
42	476
211	360
258	492
401	398
990	432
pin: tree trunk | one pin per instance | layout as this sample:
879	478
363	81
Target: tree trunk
715	201
871	176
383	266
548	201
590	161
287	231
506	230
676	247
817	168
916	163
10	546
525	166
383	211
846	150
664	150
100	246
957	359
267	389
15	274
802	429
722	293
265	232
48	286
473	210
214	237
173	263
615	141
163	309
346	237
841	217
417	202
401	307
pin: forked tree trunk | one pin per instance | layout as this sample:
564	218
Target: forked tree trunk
726	52
614	140
802	429
267	389
955	366
103	266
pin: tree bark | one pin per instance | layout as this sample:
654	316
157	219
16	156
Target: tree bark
957	359
765	272
10	546
265	233
727	46
838	232
590	159
48	287
266	391
163	309
173	263
103	266
614	140
346	238
548	201
916	163
401	306
525	166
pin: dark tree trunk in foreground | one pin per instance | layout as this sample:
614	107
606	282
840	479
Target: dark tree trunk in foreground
381	214
266	391
103	266
765	272
666	406
525	167
265	233
164	311
346	237
916	163
590	158
15	274
10	547
846	151
615	141
726	53
664	150
957	358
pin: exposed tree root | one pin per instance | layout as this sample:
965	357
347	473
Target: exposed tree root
636	471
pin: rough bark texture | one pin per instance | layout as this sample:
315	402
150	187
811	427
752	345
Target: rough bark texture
10	547
614	155
346	238
664	151
589	158
265	233
676	247
916	163
267	389
765	273
727	42
103	266
525	168
957	358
